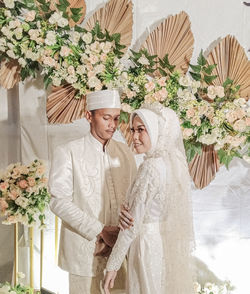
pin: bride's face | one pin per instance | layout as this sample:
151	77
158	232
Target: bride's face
141	139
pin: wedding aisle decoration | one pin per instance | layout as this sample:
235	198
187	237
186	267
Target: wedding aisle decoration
24	194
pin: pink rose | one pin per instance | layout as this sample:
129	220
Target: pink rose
4	186
65	51
190	113
30	16
240	125
196	121
187	133
23	184
162	81
3	205
31	181
240	113
163	93
220	91
13	194
231	116
150	86
71	70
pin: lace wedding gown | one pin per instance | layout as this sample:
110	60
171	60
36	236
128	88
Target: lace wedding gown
145	240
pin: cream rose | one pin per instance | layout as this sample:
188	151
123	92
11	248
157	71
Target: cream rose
185	81
143	60
187	132
219	91
87	38
240	125
211	92
126	108
30	16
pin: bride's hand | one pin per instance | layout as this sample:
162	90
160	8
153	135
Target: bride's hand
125	218
109	281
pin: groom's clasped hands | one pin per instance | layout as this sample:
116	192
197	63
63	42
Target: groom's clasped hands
107	238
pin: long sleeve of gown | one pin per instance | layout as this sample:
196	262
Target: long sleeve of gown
139	195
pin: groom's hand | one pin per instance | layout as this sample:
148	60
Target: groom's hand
106	240
125	218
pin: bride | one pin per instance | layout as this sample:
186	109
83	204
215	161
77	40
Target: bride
160	242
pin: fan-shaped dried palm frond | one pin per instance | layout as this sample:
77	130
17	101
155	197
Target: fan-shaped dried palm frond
204	167
173	37
232	63
116	17
9	74
63	107
125	130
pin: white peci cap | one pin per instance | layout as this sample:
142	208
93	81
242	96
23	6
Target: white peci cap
103	99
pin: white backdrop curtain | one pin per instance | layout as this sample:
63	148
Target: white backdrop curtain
221	210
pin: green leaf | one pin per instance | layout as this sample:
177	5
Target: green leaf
208	70
225	157
162	72
227	82
201	59
209	79
195	68
124	116
195	76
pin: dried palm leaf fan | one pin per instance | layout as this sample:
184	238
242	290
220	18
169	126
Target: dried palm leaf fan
125	129
62	106
115	17
232	63
9	74
173	37
204	167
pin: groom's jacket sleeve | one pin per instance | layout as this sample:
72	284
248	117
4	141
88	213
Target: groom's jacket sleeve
61	189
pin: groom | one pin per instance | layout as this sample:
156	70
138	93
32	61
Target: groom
89	178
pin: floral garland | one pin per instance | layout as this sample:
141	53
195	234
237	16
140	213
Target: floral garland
209	115
23	193
36	36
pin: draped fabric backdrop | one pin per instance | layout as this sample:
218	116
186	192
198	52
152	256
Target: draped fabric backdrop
221	210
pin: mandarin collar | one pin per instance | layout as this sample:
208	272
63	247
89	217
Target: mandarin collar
96	144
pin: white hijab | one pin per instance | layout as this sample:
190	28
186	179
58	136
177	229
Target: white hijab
164	130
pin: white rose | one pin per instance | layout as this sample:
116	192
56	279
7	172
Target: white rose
34	34
7	32
55	18
185	81
50	38
240	125
2	42
188	95
9	3
56	81
240	102
62	22
11	54
65	51
10	46
7	13
81	69
22	62
12	24
87	38
126	108
18	33
93	82
74	37
219	91
208	139
71	79
143	60
211	92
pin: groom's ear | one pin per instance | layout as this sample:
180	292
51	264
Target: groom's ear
88	116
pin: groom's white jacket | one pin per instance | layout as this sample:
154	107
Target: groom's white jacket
88	187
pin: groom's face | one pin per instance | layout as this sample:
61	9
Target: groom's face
103	123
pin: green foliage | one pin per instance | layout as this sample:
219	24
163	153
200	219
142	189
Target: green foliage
124	116
192	148
226	157
165	65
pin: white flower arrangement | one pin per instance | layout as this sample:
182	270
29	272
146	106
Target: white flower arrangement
209	115
212	288
23	193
